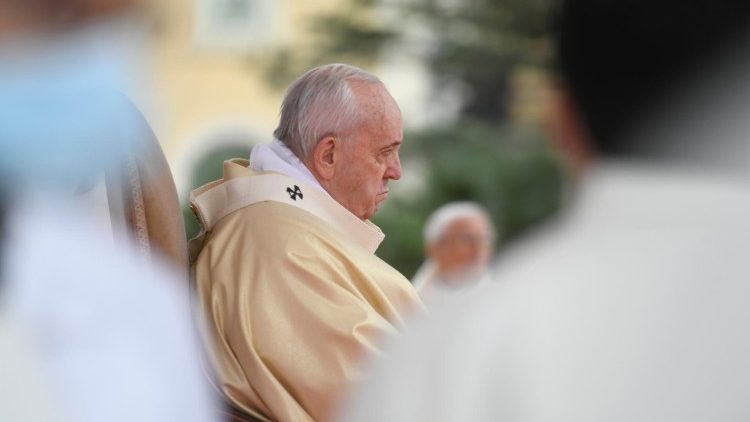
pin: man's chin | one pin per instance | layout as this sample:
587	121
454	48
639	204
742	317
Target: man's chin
379	199
374	210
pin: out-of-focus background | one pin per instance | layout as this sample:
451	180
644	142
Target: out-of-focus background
472	77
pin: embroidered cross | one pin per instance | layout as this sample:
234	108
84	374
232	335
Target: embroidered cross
294	193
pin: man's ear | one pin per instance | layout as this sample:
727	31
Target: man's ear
324	156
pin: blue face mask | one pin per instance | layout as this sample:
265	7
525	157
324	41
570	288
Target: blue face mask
63	116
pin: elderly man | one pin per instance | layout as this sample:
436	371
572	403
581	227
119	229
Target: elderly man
459	239
285	266
633	305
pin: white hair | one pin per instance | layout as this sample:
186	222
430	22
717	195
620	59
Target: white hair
318	104
442	218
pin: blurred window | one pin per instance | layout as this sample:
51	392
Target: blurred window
236	25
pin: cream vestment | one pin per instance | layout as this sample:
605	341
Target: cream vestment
291	291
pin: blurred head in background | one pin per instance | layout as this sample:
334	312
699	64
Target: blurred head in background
459	242
19	17
637	85
459	238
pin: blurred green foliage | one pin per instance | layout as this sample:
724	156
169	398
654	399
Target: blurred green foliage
475	43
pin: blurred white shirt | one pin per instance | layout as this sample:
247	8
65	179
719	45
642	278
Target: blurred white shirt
23	393
112	334
435	291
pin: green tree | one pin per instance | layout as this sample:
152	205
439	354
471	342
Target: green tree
476	43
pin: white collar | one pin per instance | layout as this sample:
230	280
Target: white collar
276	157
240	187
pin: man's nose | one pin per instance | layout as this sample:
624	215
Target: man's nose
394	168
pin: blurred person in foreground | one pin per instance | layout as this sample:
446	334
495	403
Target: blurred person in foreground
632	306
104	330
459	239
285	266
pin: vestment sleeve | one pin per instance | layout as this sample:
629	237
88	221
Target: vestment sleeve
312	326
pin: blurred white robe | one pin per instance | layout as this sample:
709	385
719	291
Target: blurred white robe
632	307
24	394
435	291
111	333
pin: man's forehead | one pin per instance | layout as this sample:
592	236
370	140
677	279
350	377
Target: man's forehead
385	120
468	222
373	97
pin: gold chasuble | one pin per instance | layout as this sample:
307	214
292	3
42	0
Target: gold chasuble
291	291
